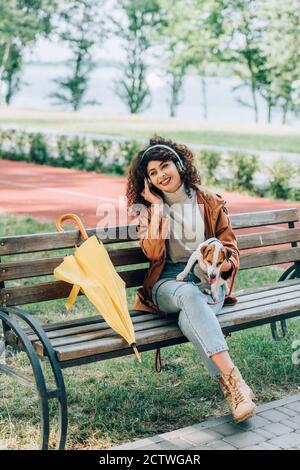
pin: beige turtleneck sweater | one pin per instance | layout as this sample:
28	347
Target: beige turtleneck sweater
186	224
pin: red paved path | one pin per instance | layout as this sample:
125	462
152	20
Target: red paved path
47	192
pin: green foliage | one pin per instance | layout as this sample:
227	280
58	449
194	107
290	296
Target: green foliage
280	44
281	174
38	152
209	161
251	41
21	23
189	38
81	29
135	32
106	156
62	158
96	161
242	168
294	194
97	155
9	145
77	152
129	149
13	72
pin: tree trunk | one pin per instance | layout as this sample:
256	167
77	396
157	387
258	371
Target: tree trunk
204	97
176	89
285	108
269	112
253	92
9	92
3	65
173	97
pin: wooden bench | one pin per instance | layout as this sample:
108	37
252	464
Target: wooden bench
86	340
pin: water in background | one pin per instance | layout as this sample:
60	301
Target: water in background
222	106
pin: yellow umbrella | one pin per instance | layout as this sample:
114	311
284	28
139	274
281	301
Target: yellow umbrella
90	270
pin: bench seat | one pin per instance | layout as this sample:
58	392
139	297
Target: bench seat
90	339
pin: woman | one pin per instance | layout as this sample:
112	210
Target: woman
176	214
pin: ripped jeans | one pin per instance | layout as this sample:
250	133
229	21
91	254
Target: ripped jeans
197	320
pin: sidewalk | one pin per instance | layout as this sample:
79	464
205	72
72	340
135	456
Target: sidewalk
276	426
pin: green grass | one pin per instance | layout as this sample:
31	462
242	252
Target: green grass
119	400
259	137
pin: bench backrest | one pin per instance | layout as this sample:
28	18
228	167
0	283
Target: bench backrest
260	247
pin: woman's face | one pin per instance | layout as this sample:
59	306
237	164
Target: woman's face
164	175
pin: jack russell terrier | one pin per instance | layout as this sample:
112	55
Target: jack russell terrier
209	257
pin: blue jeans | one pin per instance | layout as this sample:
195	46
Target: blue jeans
197	320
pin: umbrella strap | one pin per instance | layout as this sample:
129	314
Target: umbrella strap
158	362
72	296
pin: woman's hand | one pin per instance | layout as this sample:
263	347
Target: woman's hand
149	196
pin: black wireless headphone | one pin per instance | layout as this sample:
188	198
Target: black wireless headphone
178	163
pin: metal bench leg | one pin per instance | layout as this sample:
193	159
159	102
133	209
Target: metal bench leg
274	330
38	376
60	392
290	273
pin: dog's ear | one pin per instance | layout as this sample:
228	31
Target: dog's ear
205	249
227	252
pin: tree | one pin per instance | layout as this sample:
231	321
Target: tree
12	73
190	38
176	80
241	46
136	33
21	23
281	46
82	29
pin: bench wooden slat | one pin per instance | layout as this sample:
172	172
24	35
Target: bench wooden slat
86	320
70	327
93	323
133	278
259	302
262	239
107	332
96	323
10	296
43	267
111	344
263	218
128	256
259	313
280	299
266	287
79	336
269	258
53	240
69	330
170	332
267	293
58	240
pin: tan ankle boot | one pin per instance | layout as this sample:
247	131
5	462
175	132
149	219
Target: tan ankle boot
226	392
238	395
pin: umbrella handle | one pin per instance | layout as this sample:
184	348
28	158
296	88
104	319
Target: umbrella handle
136	352
75	219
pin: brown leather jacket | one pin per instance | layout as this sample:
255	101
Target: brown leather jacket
217	224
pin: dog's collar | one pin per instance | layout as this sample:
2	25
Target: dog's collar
212	240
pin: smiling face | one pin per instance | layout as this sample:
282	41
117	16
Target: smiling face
164	175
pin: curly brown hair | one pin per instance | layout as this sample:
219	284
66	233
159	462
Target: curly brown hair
137	171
